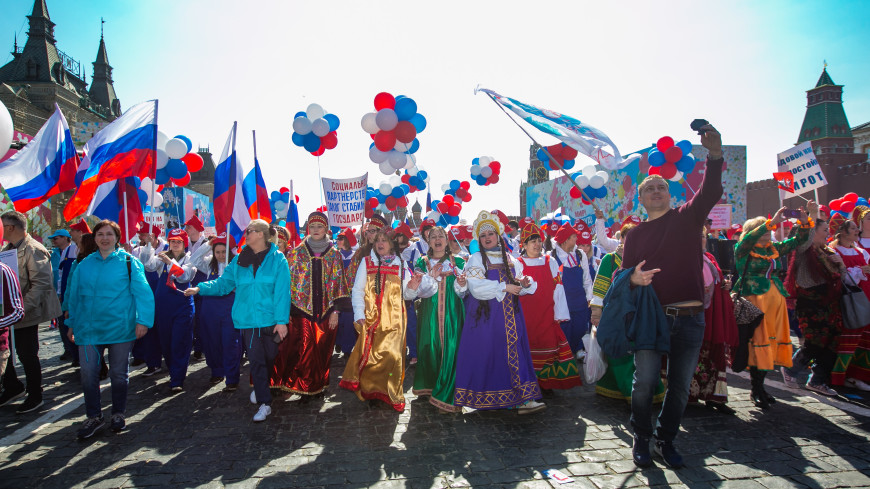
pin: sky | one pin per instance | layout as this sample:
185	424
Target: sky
635	70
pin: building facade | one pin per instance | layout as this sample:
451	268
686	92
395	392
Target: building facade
537	173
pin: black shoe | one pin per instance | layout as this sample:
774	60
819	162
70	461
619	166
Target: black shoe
177	389
231	388
670	455
640	452
137	362
30	404
90	427
75	364
759	399
118	422
197	355
215	380
770	399
151	371
548	393
65	357
104	372
10	395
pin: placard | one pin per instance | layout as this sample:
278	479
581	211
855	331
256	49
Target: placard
802	163
345	200
721	216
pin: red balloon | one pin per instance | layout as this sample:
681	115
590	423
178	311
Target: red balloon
668	170
372	203
182	181
569	153
493	178
194	163
673	154
385	140
442	207
283	190
384	100
448	199
330	141
369	212
664	143
654	170
403	202
405	178
297	198
454	210
496	166
835	204
461	193
847	206
320	150
465	185
555	151
405	132
587	202
575	193
391	202
850	197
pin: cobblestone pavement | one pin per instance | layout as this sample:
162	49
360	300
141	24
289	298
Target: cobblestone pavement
205	438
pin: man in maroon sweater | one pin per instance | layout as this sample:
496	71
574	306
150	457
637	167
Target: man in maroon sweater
665	252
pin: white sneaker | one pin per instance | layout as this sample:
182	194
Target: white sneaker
264	411
788	380
531	407
822	389
857	384
253	397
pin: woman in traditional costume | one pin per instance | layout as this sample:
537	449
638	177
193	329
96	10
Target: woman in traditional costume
578	285
853	352
346	334
440	321
494	367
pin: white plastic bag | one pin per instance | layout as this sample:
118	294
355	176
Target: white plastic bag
594	366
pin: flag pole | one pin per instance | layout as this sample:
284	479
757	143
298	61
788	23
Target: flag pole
544	148
154	174
234	169
126	215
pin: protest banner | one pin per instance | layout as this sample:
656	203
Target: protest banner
345	200
721	216
156	219
801	162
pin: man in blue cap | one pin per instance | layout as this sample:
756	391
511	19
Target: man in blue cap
66	251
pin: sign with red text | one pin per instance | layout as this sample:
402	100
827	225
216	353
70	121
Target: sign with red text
721	216
345	200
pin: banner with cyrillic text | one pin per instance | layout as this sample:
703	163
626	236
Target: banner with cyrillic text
345	200
802	163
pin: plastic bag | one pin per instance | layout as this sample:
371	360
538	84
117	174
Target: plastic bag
594	366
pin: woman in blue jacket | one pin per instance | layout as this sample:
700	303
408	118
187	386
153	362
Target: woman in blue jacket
260	276
110	306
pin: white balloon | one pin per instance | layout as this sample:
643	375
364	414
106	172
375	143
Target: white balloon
386	119
369	123
445	187
158	200
385	188
401	147
589	171
412	172
385	168
162	158
582	181
603	174
315	111
161	140
485	160
677	177
420	167
434	215
302	125
377	155
411	161
176	148
475	170
395	181
320	127
397	160
486	172
596	182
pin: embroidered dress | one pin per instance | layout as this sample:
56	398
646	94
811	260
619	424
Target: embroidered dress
853	349
439	323
317	285
494	365
376	367
551	355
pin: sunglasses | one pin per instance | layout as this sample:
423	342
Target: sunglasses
249	231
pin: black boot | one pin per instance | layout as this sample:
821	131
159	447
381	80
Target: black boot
758	396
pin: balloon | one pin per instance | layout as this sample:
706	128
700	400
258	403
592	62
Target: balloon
596	182
162	159
467	197
315	111
668	170
465	185
296	138
385	140
333	122
664	143
685	146
161	138
603	174
182	181
330	141
656	158
280	206
496	167
377	156
369	123
162	176
187	142
654	170
157	201
193	162
575	193
448	199
847	206
673	154
311	142
835	204
391	202
454	184
385	188
686	164
569	153
600	193
320	150
176	169
582	181
385	168
397	160
176	148
405	108
405	131
851	197
415	145
486	172
862	201
677	177
301	113
302	125
454	210
373	202
386	120
475	170
397	192
493	179
384	100
419	122
320	127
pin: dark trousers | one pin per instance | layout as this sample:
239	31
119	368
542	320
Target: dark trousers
821	359
27	349
262	351
68	346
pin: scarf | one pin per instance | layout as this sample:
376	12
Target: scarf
317	246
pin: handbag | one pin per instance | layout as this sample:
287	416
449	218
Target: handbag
854	305
745	312
747	316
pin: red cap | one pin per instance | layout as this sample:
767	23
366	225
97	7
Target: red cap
584	237
403	229
551	229
631	220
564	233
580	226
348	234
501	217
427	224
178	234
734	229
223	239
144	227
82	226
195	223
526	220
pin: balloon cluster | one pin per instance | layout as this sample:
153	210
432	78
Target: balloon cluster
446	211
458	190
314	130
671	160
279	201
146	188
846	204
389	195
563	154
592	182
175	162
485	170
394	128
415	178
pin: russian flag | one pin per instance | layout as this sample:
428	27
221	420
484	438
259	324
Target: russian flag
125	148
230	211
293	220
108	203
44	167
256	196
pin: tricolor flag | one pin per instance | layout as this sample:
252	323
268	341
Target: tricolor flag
580	136
173	270
230	211
125	148
785	180
108	203
44	167
293	219
254	190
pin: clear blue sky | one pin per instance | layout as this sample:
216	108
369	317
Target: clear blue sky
635	70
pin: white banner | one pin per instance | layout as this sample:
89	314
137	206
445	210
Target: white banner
156	219
721	216
801	162
345	200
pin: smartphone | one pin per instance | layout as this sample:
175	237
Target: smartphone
697	124
792	213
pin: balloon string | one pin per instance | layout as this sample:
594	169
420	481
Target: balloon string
320	180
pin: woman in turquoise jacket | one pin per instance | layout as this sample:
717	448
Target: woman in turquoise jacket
110	306
261	310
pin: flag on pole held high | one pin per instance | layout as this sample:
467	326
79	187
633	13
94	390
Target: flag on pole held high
254	190
229	200
125	148
44	167
108	203
580	136
292	222
785	180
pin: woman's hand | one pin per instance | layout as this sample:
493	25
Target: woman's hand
526	282
461	280
70	335
359	324
281	331
812	210
596	315
866	269
333	320
436	271
141	330
414	283
726	285
164	257
513	289
191	291
778	217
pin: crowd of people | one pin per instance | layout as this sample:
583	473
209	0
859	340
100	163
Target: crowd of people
496	315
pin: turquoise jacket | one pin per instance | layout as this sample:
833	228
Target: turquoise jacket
261	301
106	302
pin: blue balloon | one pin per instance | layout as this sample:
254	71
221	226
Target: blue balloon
162	176
656	158
176	168
542	156
311	142
454	185
397	192
862	201
601	192
405	108
422	174
406	189
442	221
415	145
422	185
568	164
481	180
381	198
333	121
285	197
300	114
282	223
275	195
454	220
475	161
143	197
686	164
415	181
435	203
419	122
686	146
450	192
297	139
187	142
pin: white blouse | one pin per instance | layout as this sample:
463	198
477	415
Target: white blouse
559	301
155	263
358	294
146	253
608	244
568	261
485	289
855	273
429	285
201	259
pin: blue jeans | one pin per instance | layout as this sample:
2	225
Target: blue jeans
687	333
89	357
